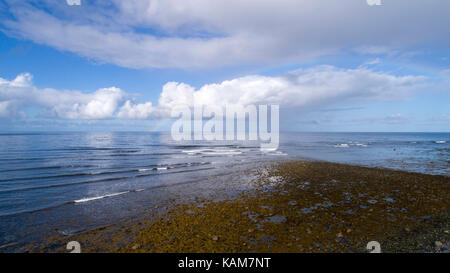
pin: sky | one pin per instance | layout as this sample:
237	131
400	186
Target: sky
124	65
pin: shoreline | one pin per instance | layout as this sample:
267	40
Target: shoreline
297	207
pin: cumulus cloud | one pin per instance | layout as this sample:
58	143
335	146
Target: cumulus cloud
137	111
204	33
300	88
101	104
305	88
20	92
7	109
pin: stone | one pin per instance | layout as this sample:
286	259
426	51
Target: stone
215	238
438	244
136	247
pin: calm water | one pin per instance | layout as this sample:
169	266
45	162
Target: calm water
71	182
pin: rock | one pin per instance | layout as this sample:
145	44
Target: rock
438	244
215	238
446	232
292	203
349	230
136	246
156	207
407	229
250	230
339	235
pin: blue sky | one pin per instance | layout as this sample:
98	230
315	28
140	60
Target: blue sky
122	65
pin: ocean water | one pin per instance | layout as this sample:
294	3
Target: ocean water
72	182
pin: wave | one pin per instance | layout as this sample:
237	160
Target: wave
99	197
48	168
66	175
104	172
99	180
213	152
347	145
155	169
440	142
182	147
8	245
344	145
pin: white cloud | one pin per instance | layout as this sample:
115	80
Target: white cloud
137	111
301	89
373	62
204	33
6	109
101	104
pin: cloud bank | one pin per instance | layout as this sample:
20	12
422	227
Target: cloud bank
205	33
316	87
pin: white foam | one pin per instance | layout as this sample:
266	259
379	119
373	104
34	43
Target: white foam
344	145
154	169
99	197
212	152
441	142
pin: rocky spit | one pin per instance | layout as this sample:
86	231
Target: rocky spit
293	207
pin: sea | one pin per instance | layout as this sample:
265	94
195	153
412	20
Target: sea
71	182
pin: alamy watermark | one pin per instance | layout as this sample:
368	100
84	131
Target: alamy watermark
228	123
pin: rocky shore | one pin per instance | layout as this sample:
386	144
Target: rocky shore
294	207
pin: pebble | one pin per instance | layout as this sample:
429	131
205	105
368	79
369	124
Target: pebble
215	238
135	247
349	230
438	244
339	235
407	229
446	232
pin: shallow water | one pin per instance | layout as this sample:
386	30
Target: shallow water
417	152
71	182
